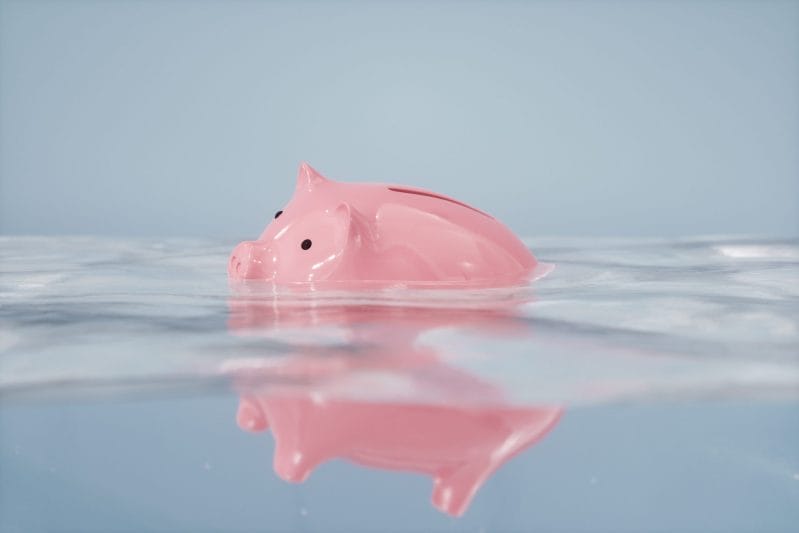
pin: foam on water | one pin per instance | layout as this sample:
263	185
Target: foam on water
617	320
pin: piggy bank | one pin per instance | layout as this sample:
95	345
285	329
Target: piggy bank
384	398
459	446
380	234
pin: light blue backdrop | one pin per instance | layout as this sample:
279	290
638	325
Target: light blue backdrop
592	118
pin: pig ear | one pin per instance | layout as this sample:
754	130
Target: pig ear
351	224
308	178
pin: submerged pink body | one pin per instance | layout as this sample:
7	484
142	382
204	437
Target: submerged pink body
394	403
460	447
334	231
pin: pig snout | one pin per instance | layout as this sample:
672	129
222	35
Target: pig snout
251	260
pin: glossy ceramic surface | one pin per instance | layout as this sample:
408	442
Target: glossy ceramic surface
353	232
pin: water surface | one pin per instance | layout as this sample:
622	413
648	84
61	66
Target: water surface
641	386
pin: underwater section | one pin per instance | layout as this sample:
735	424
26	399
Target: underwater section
639	385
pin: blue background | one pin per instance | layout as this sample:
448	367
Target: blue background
584	118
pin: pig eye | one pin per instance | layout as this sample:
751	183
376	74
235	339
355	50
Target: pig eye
278	213
306	244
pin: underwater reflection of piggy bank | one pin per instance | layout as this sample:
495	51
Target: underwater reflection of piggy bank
458	446
382	234
392	403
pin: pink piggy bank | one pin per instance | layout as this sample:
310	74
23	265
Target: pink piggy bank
460	447
381	234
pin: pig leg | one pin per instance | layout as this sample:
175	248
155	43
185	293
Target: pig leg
302	439
453	490
250	416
